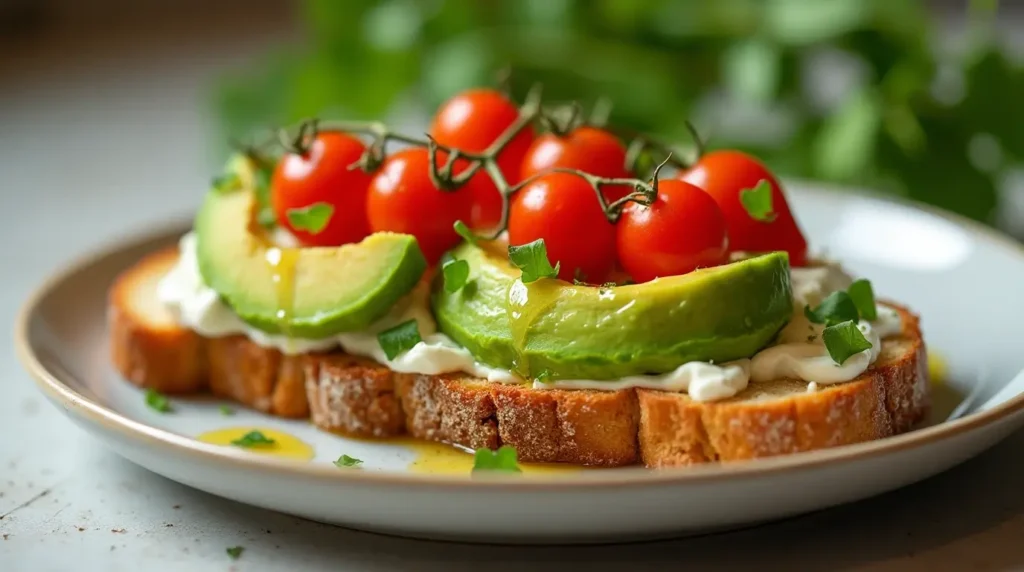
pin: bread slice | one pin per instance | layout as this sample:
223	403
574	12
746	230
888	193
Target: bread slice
147	345
151	350
358	397
784	416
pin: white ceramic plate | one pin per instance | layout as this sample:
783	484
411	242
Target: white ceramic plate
963	279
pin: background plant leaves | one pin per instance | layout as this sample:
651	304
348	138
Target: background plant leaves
913	121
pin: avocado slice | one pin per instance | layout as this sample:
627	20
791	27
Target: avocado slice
308	293
551	329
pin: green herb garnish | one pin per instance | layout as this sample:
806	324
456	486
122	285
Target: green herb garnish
863	297
502	460
157	401
544	376
758	201
225	410
312	219
346	461
399	339
462	230
532	259
837	307
235	551
253	439
227	182
261	181
843	340
456	273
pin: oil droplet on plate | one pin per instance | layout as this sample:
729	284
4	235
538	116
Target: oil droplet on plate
441	459
936	367
284	445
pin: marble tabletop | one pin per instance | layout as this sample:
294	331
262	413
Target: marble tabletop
114	141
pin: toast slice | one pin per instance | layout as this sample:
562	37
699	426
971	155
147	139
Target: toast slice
151	350
357	397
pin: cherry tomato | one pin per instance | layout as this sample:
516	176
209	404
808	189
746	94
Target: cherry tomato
723	174
588	149
561	208
471	121
402	198
683	230
322	176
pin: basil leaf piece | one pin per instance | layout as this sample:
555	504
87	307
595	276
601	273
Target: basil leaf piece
312	219
456	273
157	401
532	259
863	297
346	461
503	460
837	307
844	340
253	439
235	551
758	201
399	339
225	410
462	230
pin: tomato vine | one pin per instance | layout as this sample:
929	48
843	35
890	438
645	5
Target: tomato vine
559	120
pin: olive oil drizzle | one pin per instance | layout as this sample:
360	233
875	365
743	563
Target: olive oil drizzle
526	303
283	263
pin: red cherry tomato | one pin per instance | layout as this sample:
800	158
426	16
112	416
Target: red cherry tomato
683	230
471	121
723	174
322	176
561	208
588	149
402	198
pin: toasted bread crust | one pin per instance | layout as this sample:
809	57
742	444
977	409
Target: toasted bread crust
889	398
352	396
152	353
361	398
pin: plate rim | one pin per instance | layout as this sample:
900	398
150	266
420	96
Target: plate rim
69	399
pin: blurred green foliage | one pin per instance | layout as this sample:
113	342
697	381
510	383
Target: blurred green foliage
849	91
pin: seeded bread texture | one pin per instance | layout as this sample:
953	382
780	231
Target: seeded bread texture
358	397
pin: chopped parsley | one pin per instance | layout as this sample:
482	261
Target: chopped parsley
312	219
532	259
157	401
346	461
253	439
503	460
456	273
758	201
462	230
235	551
225	410
863	297
227	182
266	216
837	307
400	338
844	340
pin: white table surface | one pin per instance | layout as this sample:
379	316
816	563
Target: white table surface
110	141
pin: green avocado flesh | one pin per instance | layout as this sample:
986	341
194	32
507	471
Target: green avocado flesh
556	330
305	293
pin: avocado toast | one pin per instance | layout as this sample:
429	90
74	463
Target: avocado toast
641	337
